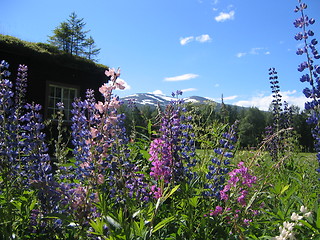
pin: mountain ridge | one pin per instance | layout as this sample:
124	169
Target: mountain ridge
154	100
160	99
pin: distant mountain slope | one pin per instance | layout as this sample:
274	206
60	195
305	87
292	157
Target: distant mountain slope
155	99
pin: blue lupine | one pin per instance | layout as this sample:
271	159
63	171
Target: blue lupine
313	72
219	167
25	163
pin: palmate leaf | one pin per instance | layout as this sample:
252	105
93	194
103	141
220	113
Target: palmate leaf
97	226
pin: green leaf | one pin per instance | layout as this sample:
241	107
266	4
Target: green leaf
17	204
194	201
308	225
280	214
113	222
145	154
58	216
97	226
252	200
318	218
163	223
173	190
285	188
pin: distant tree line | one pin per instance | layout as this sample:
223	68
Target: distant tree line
71	37
252	122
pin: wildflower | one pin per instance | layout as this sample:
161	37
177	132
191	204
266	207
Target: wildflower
304	211
161	158
295	217
313	75
217	211
219	169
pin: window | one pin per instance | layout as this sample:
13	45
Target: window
66	95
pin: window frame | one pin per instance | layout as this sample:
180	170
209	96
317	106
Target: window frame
52	109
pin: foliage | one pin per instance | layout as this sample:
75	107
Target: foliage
70	37
182	178
45	50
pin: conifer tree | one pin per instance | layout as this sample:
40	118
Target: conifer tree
91	49
71	37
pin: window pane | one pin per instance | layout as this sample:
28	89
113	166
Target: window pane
58	93
61	94
51	102
51	91
65	93
72	94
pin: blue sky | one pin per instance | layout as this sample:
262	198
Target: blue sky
202	47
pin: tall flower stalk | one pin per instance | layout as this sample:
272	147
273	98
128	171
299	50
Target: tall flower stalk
172	155
278	134
24	162
220	164
311	71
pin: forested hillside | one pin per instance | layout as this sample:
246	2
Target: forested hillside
252	126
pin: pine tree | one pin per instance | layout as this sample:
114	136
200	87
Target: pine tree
71	37
61	37
91	50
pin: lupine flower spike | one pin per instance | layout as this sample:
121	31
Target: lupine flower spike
312	75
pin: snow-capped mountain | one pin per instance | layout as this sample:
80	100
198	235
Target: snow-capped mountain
155	99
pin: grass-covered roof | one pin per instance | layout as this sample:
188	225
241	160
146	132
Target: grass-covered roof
17	46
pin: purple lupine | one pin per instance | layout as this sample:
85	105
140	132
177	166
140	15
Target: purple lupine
235	197
239	178
161	158
100	142
312	75
175	132
172	155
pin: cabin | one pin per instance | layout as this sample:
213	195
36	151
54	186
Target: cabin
53	76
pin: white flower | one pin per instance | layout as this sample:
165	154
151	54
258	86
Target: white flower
296	217
308	214
303	209
288	225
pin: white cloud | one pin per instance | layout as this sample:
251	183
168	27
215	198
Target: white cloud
217	85
223	16
263	102
241	54
203	38
230	6
157	92
254	51
183	77
230	97
186	40
189	90
215	2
